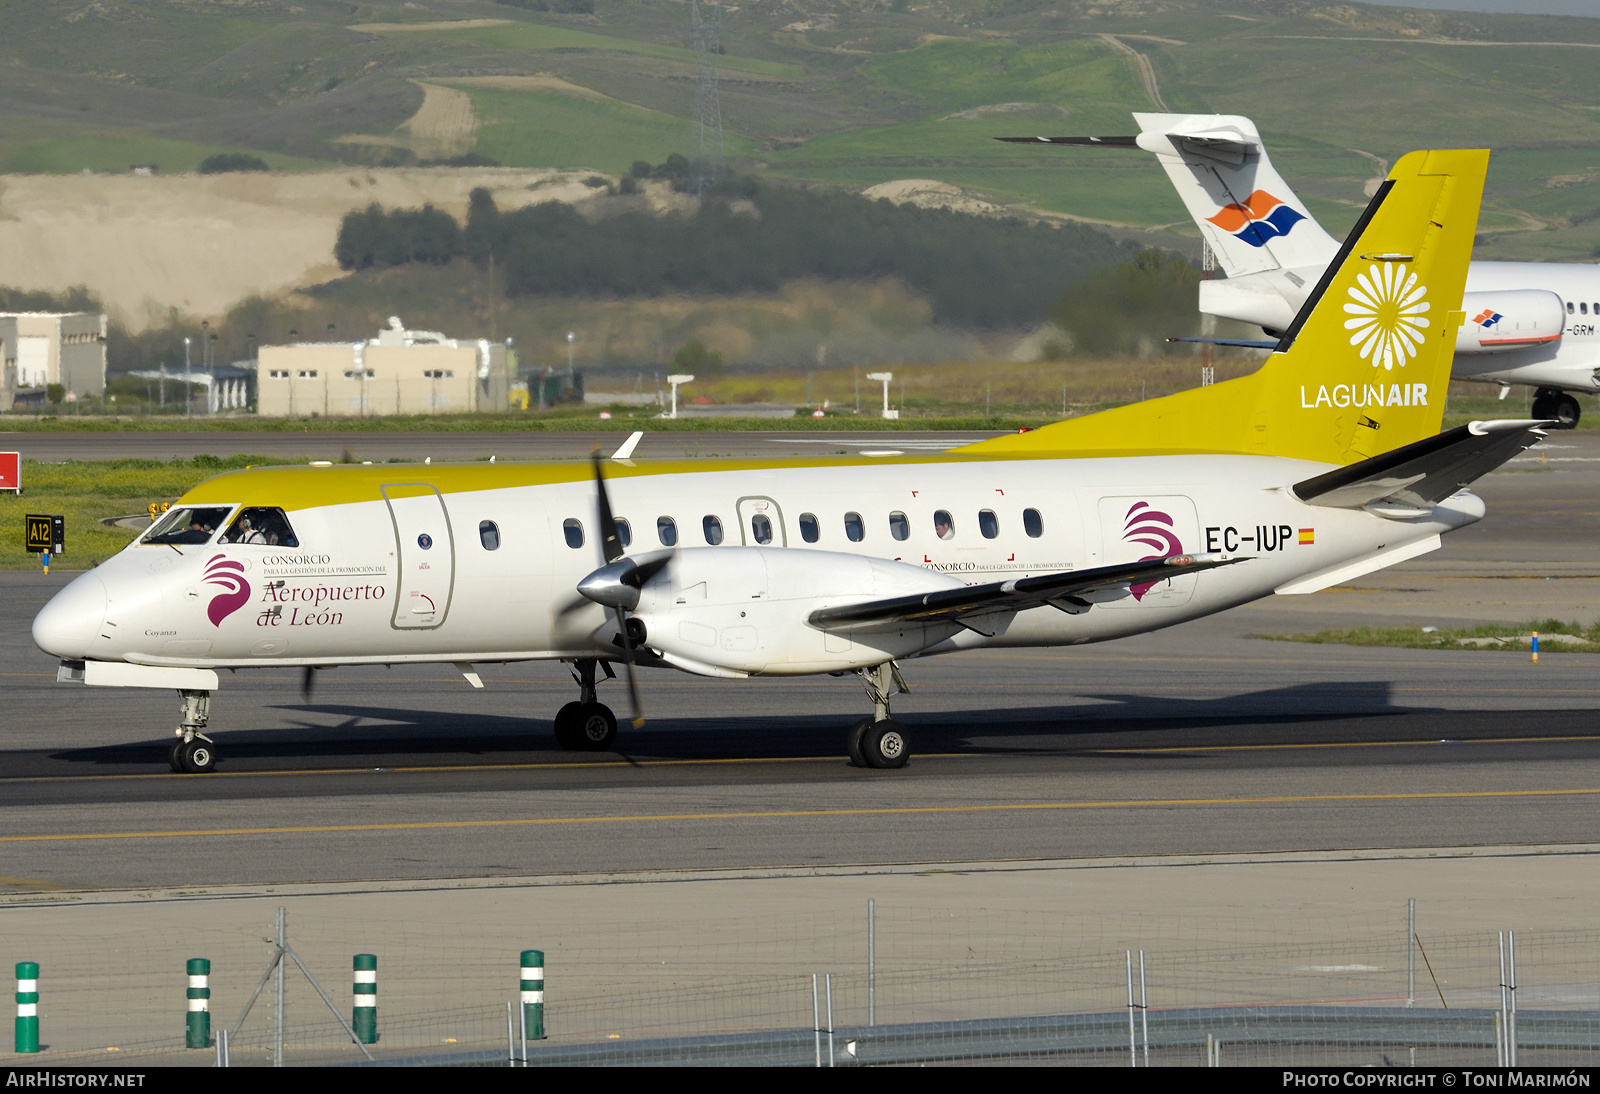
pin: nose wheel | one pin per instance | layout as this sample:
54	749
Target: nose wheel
193	753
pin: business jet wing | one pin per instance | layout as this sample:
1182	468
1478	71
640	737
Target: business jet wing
1015	595
1422	474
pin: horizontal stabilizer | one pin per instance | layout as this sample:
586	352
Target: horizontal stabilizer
951	605
1109	142
1422	474
1243	343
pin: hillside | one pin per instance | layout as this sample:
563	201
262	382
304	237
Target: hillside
853	92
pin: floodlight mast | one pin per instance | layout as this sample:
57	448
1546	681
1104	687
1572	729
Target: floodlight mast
675	380
886	378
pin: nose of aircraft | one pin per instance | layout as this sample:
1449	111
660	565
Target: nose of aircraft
71	621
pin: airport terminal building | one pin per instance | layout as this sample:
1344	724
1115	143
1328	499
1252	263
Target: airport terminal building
398	372
38	349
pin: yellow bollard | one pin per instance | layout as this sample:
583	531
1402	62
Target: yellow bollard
1535	647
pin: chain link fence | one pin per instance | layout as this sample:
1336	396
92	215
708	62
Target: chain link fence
850	987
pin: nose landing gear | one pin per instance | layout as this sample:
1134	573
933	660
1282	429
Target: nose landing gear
193	753
880	741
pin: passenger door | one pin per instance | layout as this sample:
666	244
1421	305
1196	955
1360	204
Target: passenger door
425	555
761	523
1145	526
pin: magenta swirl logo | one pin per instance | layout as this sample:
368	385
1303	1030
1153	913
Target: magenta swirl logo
1150	528
236	590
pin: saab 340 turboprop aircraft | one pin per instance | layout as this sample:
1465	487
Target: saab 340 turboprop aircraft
1325	464
1535	323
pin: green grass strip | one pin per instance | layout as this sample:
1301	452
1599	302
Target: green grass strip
1555	636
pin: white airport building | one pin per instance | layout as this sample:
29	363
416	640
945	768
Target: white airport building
399	372
38	349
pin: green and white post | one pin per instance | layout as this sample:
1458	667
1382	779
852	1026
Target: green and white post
364	1012
27	1006
199	1031
533	994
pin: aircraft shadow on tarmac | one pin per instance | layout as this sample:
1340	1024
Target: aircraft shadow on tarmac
1317	712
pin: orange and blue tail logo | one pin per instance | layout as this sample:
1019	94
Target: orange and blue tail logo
1261	217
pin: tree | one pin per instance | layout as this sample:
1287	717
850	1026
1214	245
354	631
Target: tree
224	162
1132	308
693	358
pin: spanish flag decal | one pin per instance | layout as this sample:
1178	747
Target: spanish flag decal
1308	536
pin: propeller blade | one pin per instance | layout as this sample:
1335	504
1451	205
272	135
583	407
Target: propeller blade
308	682
633	680
610	541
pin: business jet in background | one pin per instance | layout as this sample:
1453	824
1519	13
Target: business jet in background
1323	465
1534	323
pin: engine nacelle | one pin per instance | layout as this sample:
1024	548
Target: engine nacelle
1513	319
740	611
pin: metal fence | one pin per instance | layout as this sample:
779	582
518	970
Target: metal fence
846	987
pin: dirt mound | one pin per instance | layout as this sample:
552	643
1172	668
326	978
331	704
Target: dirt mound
932	194
199	243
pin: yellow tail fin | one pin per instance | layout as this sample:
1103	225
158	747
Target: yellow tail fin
1363	368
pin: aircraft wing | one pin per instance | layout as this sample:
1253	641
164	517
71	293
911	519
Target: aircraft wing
1426	472
950	605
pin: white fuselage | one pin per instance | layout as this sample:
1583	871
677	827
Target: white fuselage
1549	335
357	590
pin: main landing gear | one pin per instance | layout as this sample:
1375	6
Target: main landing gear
193	753
880	741
1548	402
586	725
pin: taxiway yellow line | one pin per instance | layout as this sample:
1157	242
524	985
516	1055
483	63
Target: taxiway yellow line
786	814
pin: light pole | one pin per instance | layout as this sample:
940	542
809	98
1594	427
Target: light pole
885	378
186	376
675	380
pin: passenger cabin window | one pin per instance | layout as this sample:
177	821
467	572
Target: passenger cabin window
944	525
1570	308
624	532
988	523
572	528
854	530
1584	308
899	526
667	531
1032	523
489	535
196	524
713	530
259	524
761	528
810	530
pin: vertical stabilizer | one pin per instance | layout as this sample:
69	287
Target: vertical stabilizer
1362	369
1245	210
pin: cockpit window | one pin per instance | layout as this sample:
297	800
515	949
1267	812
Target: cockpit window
188	524
257	524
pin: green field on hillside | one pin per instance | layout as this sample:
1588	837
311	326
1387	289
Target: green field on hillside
117	153
550	129
534	37
854	95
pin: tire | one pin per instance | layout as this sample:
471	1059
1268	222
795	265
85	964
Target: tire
1565	411
172	756
853	742
197	757
885	744
566	726
596	727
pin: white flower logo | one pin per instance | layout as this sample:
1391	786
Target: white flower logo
1387	315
